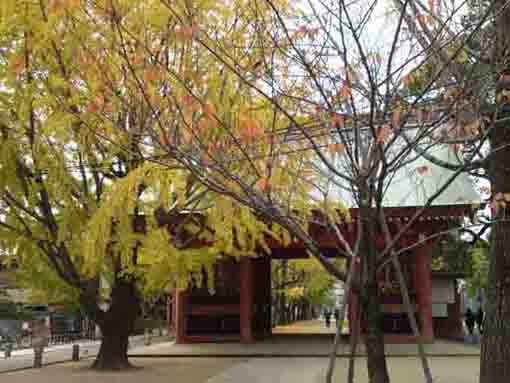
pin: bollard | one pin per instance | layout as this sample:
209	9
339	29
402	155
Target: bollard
147	339
38	351
76	352
8	350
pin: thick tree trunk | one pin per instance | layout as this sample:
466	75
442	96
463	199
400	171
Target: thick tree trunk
495	356
116	326
113	351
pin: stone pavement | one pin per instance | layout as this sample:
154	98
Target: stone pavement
301	339
149	370
248	370
296	355
308	327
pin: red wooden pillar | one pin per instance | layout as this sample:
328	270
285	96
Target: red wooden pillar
354	320
455	316
266	277
180	307
246	299
169	314
423	287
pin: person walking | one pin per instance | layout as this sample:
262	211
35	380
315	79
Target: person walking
327	316
470	321
40	338
480	320
336	314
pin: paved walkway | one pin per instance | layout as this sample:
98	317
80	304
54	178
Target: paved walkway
296	355
301	339
253	370
309	327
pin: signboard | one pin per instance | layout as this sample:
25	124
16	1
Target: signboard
443	291
439	310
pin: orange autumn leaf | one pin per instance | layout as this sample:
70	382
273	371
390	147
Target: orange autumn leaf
249	130
424	169
155	100
345	92
183	33
152	74
92	108
205	124
61	5
408	79
188	99
382	134
424	19
188	118
263	184
473	128
205	158
335	149
209	110
338	119
395	118
212	147
163	138
17	63
196	107
186	136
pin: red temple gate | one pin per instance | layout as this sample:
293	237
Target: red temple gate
239	308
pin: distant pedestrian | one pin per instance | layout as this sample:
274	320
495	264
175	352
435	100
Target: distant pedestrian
327	316
470	321
480	320
40	338
336	314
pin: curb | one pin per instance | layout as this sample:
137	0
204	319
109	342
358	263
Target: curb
19	369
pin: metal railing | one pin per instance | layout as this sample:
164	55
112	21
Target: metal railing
11	359
25	341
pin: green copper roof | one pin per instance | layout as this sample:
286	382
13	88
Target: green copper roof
414	183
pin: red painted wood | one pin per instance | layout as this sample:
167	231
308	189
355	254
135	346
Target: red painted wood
211	338
180	304
423	288
169	315
354	320
246	299
213	309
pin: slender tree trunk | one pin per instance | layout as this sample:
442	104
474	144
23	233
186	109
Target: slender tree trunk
412	319
374	339
495	355
352	356
116	326
370	298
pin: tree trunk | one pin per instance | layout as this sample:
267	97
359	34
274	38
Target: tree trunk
113	352
495	355
370	299
116	326
374	339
